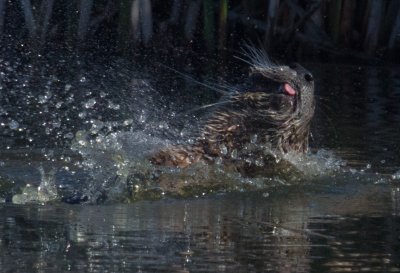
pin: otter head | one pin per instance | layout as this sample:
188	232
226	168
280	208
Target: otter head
292	89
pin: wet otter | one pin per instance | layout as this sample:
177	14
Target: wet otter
273	112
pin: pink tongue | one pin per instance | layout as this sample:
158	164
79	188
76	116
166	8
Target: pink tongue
289	90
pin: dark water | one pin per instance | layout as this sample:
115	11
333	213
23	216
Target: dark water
353	227
346	221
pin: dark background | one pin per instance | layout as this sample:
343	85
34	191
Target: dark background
323	30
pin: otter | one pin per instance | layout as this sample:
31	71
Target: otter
268	118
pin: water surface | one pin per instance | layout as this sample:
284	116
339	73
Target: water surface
340	221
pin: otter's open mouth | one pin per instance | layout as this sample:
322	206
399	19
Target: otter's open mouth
263	84
288	89
283	94
284	98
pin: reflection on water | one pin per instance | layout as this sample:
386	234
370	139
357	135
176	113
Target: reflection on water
359	114
284	230
343	221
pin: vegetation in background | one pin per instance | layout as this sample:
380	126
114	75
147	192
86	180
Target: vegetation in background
321	29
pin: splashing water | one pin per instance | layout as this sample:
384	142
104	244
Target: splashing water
46	192
114	120
119	164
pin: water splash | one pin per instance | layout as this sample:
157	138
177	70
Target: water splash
396	176
120	169
114	118
46	192
323	162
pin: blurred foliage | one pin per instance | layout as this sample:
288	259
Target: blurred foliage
317	29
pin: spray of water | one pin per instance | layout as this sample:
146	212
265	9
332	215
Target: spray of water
99	125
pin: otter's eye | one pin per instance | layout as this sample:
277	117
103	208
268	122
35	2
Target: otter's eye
308	77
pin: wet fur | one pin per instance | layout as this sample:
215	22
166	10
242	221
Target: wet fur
255	117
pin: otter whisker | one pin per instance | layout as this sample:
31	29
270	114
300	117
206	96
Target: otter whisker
205	107
228	88
212	87
256	58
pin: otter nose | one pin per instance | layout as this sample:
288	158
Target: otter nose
308	77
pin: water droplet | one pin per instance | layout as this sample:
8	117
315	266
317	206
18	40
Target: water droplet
234	154
82	142
259	162
113	106
69	136
70	99
254	138
56	124
90	103
83	79
142	118
99	139
396	175
223	149
127	122
82	114
13	124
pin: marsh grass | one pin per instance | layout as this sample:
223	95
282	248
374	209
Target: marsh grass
289	27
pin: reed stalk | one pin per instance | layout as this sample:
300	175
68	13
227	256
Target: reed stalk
272	12
29	18
209	24
146	19
85	10
135	18
191	19
47	11
2	13
335	19
373	27
347	24
71	19
142	22
175	11
395	32
223	18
